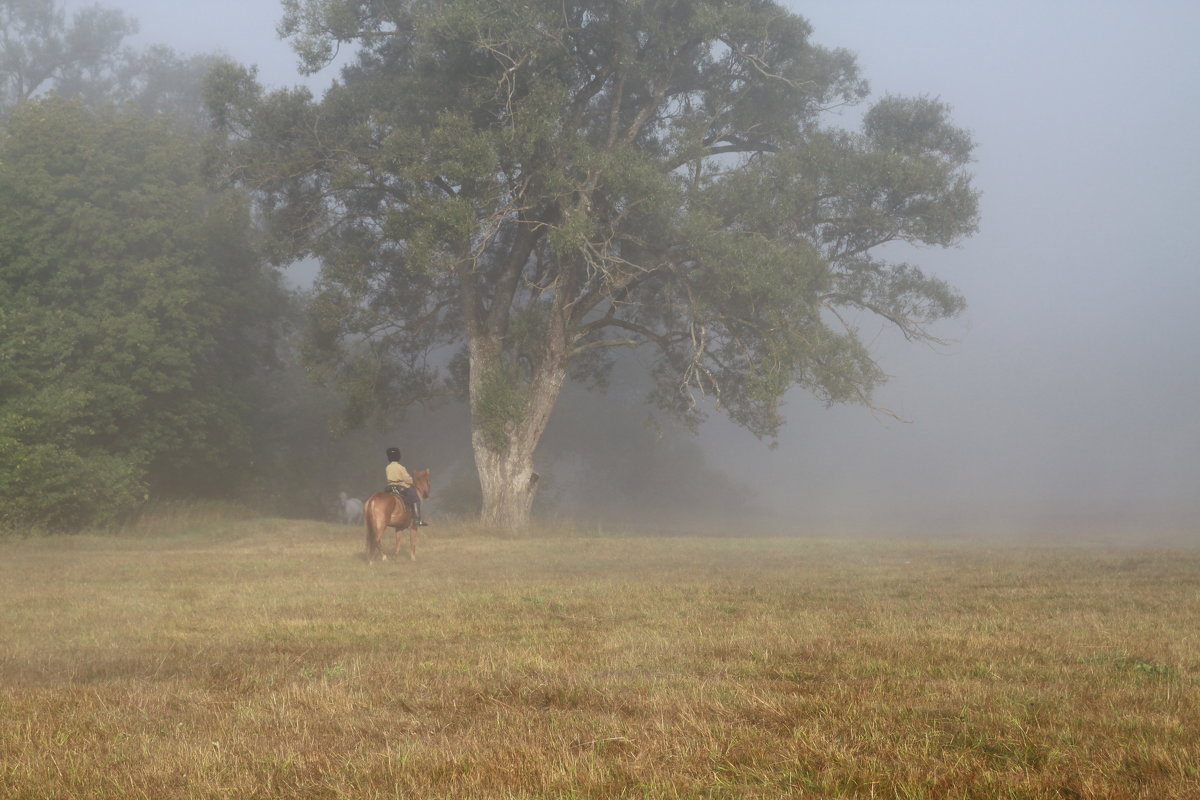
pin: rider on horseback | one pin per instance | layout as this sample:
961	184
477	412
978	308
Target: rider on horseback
401	483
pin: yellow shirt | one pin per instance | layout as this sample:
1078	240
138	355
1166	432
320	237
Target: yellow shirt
397	475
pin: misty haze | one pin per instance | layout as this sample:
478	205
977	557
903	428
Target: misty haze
556	398
1064	390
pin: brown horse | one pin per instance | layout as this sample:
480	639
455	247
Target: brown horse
385	510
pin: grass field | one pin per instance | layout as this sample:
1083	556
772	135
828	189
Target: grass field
264	658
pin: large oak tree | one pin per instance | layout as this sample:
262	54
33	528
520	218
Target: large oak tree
500	193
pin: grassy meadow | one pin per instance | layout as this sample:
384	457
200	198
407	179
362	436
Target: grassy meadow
247	658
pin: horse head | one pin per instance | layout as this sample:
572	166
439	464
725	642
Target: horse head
421	483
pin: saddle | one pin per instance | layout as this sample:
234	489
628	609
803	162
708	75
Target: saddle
409	496
400	492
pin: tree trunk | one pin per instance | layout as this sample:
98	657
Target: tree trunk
506	474
504	441
509	485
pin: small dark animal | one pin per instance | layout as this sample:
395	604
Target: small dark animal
385	510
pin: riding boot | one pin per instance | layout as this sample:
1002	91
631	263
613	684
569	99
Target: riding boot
421	523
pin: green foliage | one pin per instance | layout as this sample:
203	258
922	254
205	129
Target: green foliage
1149	669
132	307
498	405
630	173
41	49
56	488
85	57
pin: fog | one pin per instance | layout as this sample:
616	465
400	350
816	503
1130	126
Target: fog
1067	389
1072	384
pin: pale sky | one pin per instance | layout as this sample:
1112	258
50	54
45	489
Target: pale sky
1074	378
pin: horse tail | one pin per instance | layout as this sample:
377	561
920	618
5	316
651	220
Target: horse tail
375	517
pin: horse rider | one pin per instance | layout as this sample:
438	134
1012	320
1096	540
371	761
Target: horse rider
400	483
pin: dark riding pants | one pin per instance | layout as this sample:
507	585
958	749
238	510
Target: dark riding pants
410	496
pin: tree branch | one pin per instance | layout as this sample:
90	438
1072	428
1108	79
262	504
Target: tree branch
627	342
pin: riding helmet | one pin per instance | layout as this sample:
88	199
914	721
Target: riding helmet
393	454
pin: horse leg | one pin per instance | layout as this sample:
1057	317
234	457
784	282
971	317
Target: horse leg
412	542
367	525
373	548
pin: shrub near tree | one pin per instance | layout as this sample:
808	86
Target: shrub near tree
131	306
538	183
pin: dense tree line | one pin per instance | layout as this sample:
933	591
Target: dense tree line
134	306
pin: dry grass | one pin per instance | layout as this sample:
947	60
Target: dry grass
245	658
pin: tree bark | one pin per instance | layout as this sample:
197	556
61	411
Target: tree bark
509	485
506	475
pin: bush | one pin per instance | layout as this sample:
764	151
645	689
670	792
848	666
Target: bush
49	486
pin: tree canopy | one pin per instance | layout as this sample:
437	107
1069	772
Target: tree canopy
41	49
132	303
531	185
